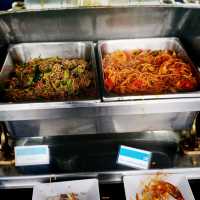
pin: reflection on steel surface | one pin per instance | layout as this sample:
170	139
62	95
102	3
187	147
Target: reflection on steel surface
76	125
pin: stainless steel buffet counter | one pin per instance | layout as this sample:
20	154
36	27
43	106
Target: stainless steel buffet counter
100	24
94	156
157	125
67	163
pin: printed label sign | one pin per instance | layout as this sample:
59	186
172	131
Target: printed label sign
133	157
31	155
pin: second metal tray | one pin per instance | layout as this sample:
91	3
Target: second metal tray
109	46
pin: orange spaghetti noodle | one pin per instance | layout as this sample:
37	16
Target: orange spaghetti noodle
147	72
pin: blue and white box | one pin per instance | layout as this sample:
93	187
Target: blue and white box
133	157
32	155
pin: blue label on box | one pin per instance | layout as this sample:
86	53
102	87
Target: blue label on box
31	155
133	157
24	151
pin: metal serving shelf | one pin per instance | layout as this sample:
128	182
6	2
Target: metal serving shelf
43	110
149	115
94	156
146	116
100	24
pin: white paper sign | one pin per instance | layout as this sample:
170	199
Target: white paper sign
31	155
133	157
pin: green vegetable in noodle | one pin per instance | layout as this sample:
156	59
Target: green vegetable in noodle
2	86
155	53
30	81
69	86
66	74
47	69
37	74
136	52
63	82
23	65
40	98
78	70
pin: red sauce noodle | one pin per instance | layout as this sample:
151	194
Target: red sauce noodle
147	72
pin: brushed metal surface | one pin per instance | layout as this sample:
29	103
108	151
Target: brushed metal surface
145	122
32	111
38	4
76	125
96	23
109	46
104	24
51	127
91	23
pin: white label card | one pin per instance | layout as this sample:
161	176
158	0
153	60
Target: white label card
133	157
31	155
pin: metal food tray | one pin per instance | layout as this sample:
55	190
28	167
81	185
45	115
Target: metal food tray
109	46
21	53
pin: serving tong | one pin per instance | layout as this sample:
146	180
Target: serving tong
6	147
190	145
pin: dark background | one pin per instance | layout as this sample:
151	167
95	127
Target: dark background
5	4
